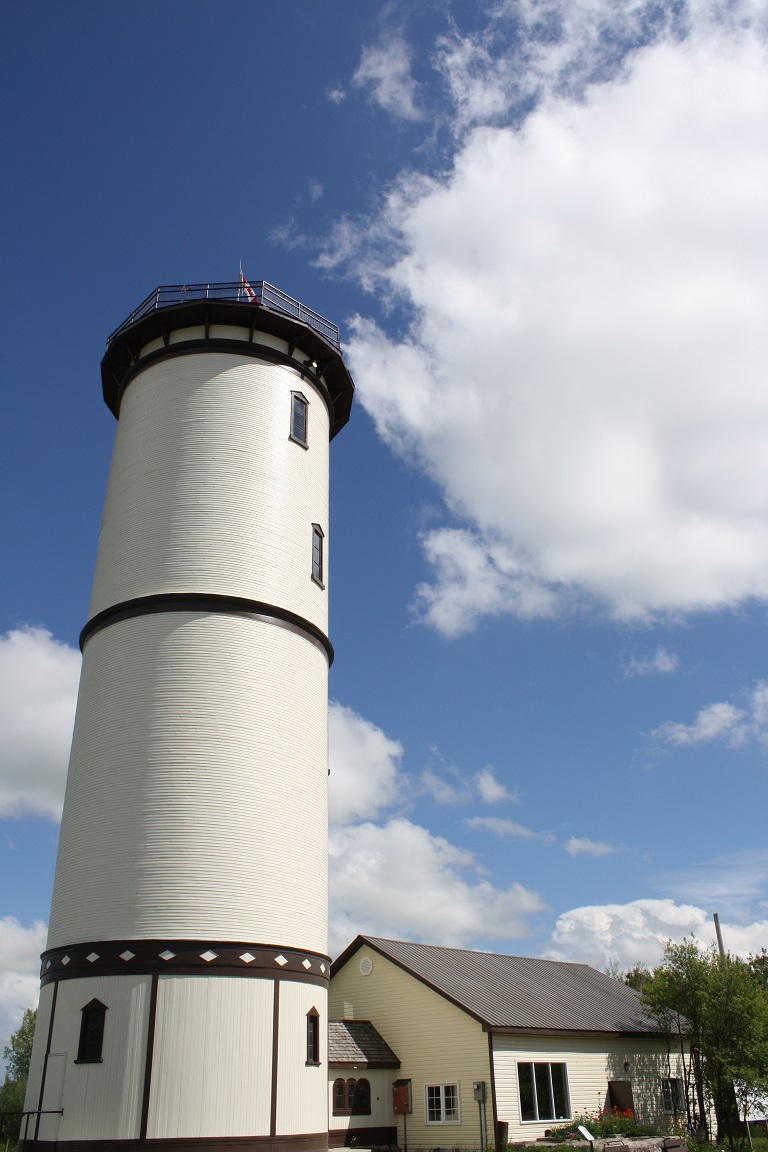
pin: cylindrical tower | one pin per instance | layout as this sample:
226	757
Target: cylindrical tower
184	985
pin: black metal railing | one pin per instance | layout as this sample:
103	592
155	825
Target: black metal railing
256	292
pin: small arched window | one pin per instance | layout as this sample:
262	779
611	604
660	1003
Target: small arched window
351	1085
92	1020
339	1098
362	1101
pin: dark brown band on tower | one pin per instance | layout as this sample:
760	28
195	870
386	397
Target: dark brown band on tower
183	958
209	603
301	1142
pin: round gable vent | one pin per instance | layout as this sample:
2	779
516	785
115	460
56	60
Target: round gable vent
366	966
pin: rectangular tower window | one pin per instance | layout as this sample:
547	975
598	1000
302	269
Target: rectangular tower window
313	1037
317	555
91	1033
299	415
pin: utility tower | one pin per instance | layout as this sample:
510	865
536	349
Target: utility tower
184	984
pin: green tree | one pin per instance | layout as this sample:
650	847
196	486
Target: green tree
17	1057
720	1006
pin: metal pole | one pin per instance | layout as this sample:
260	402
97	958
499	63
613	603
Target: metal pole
719	935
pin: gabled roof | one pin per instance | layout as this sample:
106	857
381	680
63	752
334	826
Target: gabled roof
357	1043
517	993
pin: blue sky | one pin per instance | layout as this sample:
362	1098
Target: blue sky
541	227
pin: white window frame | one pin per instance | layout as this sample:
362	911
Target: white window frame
454	1084
544	1119
298	398
672	1095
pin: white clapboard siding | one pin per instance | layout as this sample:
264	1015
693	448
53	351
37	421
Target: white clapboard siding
207	492
301	1087
212	1058
197	787
591	1064
103	1101
380	1080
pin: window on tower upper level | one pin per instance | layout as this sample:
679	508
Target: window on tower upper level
299	418
317	555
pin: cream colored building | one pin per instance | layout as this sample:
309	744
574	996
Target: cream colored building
491	1045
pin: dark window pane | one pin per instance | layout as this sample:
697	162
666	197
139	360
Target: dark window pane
544	1092
91	1033
298	418
560	1090
363	1098
527	1098
434	1110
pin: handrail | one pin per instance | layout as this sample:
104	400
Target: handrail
257	293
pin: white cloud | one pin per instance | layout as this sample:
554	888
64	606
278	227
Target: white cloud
364	767
662	661
583	846
38	693
501	827
632	933
385	70
315	190
638	931
583	372
20	950
723	721
337	95
399	880
490	790
441	790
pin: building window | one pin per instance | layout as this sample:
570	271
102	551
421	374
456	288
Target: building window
351	1098
313	1037
317	555
442	1103
340	1098
91	1033
543	1092
672	1094
299	418
362	1101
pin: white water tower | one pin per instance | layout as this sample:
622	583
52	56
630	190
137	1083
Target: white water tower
184	984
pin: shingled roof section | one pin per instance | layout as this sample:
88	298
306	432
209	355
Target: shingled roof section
357	1043
517	993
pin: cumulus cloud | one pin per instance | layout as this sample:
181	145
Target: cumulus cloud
399	880
583	846
38	693
582	371
20	949
723	721
627	934
662	661
385	71
365	766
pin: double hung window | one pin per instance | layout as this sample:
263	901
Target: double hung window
673	1095
442	1104
299	418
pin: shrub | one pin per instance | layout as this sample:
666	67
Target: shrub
602	1124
